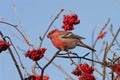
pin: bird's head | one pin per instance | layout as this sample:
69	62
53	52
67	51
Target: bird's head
51	33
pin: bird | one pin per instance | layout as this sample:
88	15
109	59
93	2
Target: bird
65	40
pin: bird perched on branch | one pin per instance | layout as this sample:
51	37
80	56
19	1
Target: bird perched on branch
64	40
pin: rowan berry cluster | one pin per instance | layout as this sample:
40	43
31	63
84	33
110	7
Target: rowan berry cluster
69	21
116	68
84	72
34	54
36	77
3	45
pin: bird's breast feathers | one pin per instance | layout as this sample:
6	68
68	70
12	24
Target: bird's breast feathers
63	43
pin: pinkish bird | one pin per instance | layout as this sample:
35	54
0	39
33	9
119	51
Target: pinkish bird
64	40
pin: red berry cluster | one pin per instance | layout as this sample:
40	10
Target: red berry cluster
36	77
69	21
3	45
84	72
101	35
34	54
116	68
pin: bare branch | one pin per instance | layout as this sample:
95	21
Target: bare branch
42	38
111	30
15	26
13	58
59	67
17	55
18	18
43	69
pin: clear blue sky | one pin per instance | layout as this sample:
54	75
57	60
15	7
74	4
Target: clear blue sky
37	15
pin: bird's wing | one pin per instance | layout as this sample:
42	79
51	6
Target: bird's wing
71	35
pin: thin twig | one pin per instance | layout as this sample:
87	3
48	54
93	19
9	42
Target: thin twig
108	48
13	58
98	72
42	38
18	17
112	72
43	69
93	44
105	25
38	65
17	54
8	23
15	26
59	67
111	30
104	62
93	32
33	69
80	58
116	59
73	62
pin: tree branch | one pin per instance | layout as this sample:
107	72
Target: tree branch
13	58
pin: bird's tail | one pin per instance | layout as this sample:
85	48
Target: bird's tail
86	46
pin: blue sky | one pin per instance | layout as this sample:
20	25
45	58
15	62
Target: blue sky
36	17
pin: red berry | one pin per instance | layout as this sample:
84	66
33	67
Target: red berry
35	55
69	21
3	45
